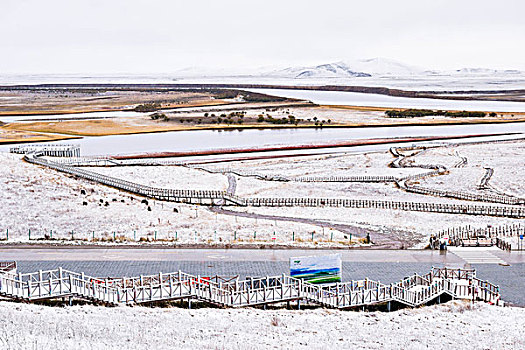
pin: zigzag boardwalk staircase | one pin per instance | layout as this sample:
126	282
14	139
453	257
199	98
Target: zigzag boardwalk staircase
412	291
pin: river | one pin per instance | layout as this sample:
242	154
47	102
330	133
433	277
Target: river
213	139
376	100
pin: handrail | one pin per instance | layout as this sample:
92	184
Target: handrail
411	291
223	198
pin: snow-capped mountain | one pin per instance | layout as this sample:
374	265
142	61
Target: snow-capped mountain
344	69
383	66
329	70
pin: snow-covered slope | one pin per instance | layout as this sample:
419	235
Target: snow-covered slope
455	325
329	70
384	68
356	68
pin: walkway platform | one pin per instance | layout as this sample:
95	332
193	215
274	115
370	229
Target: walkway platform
412	291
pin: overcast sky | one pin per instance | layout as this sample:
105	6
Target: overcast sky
163	36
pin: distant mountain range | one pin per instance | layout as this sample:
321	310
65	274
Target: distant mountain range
374	67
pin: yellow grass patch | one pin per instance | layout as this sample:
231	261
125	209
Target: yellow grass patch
115	107
17	136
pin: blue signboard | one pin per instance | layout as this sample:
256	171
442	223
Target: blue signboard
317	269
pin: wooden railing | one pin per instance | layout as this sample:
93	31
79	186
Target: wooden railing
412	291
406	182
223	198
7	266
498	235
187	196
59	150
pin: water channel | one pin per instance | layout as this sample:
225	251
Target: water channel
215	139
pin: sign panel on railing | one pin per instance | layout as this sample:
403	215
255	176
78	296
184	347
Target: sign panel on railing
317	269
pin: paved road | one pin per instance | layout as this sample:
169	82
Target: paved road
386	266
473	255
171	254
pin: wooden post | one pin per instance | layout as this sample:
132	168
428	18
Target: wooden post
60	279
70	284
39	282
337	293
160	285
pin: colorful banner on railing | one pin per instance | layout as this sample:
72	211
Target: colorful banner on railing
317	269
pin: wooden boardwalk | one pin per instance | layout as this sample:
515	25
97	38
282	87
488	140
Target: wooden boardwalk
407	185
412	291
499	236
212	197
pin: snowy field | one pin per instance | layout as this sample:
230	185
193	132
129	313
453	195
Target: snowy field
40	199
406	226
43	201
455	325
349	164
175	177
507	159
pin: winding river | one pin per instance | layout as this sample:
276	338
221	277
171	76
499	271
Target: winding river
376	100
214	139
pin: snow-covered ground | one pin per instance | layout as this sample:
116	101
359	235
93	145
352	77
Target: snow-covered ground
40	199
455	325
363	164
408	226
43	200
175	177
507	159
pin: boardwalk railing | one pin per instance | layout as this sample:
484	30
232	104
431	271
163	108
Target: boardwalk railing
498	235
469	232
8	266
223	198
412	291
407	185
186	196
59	150
484	182
491	198
363	178
491	210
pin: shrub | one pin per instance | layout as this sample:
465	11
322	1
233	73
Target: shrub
416	113
157	116
147	107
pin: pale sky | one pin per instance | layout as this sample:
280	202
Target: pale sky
163	36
